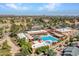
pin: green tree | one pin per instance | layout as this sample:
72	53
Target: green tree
1	32
50	52
12	21
25	47
42	50
14	29
71	40
77	37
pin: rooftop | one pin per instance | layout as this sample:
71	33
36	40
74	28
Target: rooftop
73	51
64	29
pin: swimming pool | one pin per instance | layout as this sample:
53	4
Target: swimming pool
49	38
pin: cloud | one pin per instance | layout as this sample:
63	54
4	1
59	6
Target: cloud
16	7
49	7
1	6
20	6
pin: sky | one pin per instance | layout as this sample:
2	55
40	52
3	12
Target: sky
39	9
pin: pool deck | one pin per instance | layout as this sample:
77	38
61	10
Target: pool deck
31	34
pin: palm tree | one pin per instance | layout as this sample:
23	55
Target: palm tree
42	50
50	52
25	47
1	32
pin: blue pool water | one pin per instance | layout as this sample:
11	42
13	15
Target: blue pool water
49	38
